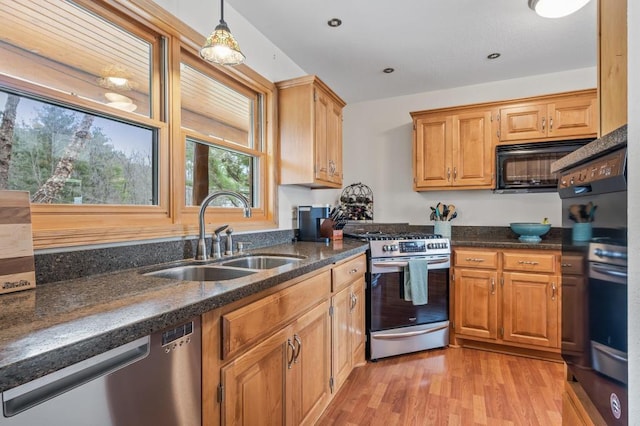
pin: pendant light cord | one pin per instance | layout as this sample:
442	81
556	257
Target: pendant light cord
222	11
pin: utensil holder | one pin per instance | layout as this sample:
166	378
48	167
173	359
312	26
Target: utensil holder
442	227
581	231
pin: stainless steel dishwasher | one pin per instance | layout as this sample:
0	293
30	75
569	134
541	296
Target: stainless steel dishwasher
155	380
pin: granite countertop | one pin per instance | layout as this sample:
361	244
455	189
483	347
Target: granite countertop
606	143
506	242
61	323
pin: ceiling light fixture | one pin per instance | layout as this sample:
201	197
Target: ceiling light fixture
494	55
334	22
220	47
556	8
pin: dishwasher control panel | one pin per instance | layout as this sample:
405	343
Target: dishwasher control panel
177	336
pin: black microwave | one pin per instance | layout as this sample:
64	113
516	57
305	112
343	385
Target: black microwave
527	167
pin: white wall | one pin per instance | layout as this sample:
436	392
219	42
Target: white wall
634	206
377	152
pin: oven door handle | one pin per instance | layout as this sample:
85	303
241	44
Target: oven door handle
611	272
390	336
403	264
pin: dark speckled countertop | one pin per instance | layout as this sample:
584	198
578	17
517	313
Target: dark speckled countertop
503	238
61	323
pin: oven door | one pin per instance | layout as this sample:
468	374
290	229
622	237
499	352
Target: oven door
388	307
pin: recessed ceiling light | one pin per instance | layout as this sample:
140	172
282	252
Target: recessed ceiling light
493	56
334	22
388	70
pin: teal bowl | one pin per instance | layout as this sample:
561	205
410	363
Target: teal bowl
530	232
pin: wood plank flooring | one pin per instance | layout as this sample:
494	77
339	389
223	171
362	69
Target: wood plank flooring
453	386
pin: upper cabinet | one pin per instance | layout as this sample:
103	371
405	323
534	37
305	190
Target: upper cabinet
570	115
612	64
453	150
310	122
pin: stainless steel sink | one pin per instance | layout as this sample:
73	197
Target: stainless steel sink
201	273
261	261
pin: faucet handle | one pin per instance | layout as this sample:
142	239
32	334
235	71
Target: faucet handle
220	229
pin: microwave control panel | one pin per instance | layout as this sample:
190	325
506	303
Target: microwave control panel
602	168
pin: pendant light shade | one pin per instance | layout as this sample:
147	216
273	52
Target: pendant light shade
556	8
220	47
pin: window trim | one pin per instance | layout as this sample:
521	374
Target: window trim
72	225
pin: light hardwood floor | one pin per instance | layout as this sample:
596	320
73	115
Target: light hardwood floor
453	386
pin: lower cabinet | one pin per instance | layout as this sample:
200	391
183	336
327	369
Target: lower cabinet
278	359
284	379
507	297
348	331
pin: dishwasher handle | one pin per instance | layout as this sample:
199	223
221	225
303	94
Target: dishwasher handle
37	391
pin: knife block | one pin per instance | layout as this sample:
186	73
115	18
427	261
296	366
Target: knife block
327	231
17	268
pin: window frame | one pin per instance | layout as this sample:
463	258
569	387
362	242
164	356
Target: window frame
66	225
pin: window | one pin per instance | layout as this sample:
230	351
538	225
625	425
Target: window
84	91
66	156
222	122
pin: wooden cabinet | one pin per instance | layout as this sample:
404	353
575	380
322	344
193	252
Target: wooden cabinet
612	64
310	126
453	150
566	116
348	319
510	297
283	380
272	359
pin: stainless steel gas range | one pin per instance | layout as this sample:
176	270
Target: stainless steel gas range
396	325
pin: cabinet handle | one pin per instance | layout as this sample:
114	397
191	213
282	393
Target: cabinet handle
354	301
493	286
297	353
543	123
332	167
473	259
550	124
455	173
353	271
448	174
527	262
567	265
553	291
291	346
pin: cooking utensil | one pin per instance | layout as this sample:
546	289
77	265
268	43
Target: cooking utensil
575	213
440	208
450	213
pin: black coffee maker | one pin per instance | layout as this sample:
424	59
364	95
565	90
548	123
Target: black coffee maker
310	219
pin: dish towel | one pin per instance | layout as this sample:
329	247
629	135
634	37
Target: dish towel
416	287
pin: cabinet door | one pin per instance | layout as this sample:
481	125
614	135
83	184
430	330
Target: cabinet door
254	384
334	143
308	378
432	152
526	121
572	117
342	361
530	312
357	323
322	108
612	64
472	153
476	313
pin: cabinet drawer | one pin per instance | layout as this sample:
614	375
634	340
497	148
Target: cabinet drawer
348	272
476	258
247	325
573	264
526	261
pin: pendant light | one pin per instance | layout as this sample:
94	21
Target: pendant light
556	8
220	47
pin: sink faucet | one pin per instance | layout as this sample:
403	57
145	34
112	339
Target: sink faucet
201	251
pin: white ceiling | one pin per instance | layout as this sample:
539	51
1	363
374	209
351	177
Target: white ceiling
431	44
